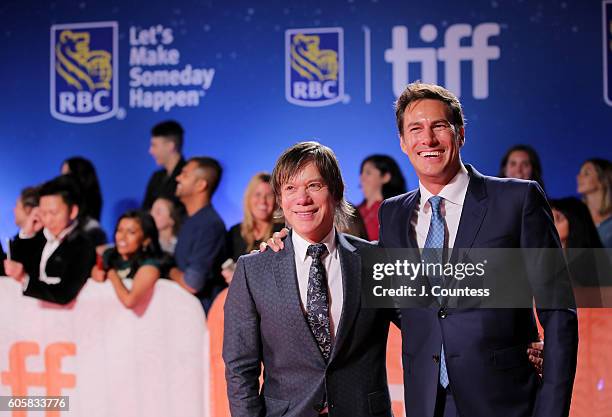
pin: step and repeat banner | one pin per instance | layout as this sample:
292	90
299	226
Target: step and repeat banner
164	358
248	79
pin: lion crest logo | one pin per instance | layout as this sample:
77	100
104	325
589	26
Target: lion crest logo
314	66
84	71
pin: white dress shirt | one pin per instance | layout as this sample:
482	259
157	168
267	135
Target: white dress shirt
453	196
51	246
331	262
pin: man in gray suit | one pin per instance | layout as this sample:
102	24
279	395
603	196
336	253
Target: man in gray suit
298	312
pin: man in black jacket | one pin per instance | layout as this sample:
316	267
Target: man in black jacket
166	147
52	257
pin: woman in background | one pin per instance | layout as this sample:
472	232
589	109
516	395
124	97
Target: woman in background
168	219
136	255
90	207
578	235
380	178
595	186
258	224
522	162
85	173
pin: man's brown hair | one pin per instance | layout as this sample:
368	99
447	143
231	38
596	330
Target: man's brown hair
418	91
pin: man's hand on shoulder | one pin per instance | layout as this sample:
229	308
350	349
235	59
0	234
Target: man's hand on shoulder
275	243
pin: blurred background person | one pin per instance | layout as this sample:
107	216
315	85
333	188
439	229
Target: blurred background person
90	206
27	200
380	178
168	217
136	255
85	173
522	162
588	267
52	257
200	249
574	224
258	223
595	185
166	148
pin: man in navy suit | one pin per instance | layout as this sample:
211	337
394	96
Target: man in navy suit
472	362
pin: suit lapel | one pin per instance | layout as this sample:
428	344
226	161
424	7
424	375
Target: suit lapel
350	264
473	213
285	275
407	235
472	216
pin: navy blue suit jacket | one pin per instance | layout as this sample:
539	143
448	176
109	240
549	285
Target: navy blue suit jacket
489	370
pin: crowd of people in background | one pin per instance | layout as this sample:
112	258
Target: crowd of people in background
177	234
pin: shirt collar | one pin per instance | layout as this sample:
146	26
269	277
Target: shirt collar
300	245
453	192
51	238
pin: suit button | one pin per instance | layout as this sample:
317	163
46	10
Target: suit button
332	405
436	358
442	313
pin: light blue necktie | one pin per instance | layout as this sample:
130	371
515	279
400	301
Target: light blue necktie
435	240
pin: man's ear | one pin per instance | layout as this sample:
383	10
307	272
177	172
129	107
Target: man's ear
74	212
461	136
403	144
202	184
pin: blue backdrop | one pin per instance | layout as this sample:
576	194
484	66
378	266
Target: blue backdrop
527	71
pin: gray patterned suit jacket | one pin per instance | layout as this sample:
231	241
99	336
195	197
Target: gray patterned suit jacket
265	325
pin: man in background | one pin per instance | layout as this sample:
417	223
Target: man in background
200	249
166	148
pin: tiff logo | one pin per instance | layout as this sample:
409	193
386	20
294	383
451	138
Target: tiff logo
479	53
19	378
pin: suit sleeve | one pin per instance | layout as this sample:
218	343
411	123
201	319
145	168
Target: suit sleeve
242	348
74	274
381	239
552	290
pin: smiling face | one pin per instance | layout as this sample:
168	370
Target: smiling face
431	142
519	166
189	182
129	237
308	205
261	202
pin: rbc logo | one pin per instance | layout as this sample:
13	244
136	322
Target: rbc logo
453	53
84	72
314	66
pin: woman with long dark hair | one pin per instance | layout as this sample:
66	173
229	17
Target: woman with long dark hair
136	255
380	178
85	173
522	162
